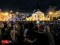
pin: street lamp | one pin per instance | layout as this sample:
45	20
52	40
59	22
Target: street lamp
11	11
6	13
50	13
17	12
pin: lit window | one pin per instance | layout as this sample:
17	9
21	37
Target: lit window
42	15
35	15
38	16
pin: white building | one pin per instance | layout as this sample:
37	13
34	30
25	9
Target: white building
38	15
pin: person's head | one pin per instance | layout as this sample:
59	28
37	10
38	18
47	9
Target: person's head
14	26
1	25
31	25
37	22
43	23
9	24
26	26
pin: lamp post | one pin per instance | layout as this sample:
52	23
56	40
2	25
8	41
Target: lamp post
6	13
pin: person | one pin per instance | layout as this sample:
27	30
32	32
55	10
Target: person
0	36
14	35
40	27
46	35
26	30
25	33
17	26
8	30
49	34
1	26
21	33
29	34
42	38
58	39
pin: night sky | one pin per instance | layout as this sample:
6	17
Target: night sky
28	5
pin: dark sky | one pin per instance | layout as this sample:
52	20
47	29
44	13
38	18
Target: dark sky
28	5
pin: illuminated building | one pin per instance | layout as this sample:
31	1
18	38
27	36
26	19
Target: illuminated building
58	13
2	15
54	15
38	15
5	16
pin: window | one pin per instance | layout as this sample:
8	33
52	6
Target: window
42	15
35	15
38	16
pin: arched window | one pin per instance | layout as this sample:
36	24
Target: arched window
35	16
38	16
42	15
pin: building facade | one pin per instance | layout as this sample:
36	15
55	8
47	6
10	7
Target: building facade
2	15
55	15
38	15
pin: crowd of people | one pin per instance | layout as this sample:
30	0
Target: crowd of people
31	33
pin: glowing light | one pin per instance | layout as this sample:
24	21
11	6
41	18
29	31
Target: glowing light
55	13
5	41
6	13
11	11
17	12
2	16
50	12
